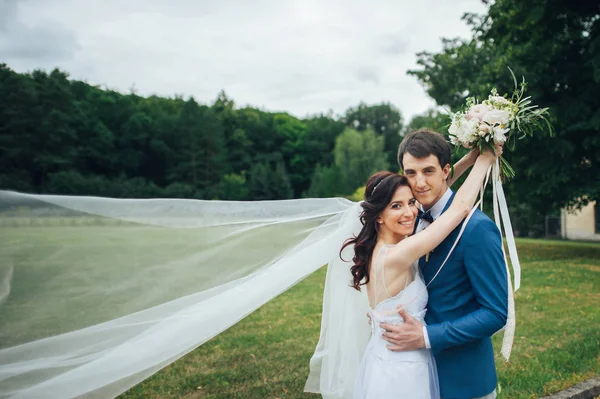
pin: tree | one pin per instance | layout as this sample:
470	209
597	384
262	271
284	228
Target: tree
258	127
556	46
201	149
54	132
292	132
233	187
132	143
431	119
319	140
269	182
236	139
17	134
358	155
384	119
326	182
239	151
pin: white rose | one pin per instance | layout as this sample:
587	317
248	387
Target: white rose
467	132
499	134
477	112
496	117
453	129
462	131
498	100
483	129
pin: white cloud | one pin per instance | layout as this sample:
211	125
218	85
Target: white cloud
301	57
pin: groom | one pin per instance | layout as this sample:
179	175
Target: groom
468	300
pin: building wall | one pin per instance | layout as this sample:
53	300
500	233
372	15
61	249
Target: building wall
581	224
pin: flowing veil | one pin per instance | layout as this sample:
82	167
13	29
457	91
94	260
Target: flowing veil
97	294
344	328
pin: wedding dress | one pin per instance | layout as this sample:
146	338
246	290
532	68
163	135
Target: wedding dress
386	374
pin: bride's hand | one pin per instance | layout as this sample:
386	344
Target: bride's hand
490	156
472	155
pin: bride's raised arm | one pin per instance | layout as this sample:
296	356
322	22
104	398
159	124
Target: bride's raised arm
462	165
412	248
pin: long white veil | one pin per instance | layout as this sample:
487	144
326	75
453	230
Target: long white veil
97	294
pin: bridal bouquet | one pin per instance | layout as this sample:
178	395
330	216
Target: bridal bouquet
498	120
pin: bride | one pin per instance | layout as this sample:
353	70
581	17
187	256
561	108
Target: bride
385	263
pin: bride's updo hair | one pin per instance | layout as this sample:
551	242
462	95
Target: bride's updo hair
379	191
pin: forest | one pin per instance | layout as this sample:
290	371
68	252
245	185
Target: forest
63	136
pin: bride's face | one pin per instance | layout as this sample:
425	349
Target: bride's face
400	214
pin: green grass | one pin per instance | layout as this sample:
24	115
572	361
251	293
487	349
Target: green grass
557	343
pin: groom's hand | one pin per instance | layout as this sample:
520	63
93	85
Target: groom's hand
404	337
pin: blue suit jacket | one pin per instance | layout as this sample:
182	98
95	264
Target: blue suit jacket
468	303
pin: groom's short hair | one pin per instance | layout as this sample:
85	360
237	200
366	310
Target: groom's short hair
423	143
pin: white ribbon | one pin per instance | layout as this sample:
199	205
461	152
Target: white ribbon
502	217
510	238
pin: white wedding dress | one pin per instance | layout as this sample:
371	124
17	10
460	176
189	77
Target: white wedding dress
384	374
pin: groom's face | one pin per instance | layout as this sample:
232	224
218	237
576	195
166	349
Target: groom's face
427	178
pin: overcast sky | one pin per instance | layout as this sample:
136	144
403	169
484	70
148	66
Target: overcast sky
303	57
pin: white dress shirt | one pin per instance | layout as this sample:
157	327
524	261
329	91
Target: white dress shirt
435	211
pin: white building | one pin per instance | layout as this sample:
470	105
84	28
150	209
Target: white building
583	224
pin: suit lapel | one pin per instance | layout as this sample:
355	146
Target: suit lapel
417	220
449	202
422	262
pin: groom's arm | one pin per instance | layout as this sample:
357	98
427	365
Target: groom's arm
484	263
462	165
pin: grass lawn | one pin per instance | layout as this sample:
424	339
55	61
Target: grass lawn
557	343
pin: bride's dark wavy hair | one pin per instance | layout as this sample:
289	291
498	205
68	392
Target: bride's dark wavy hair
379	191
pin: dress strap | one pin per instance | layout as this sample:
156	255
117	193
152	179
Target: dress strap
378	276
378	281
